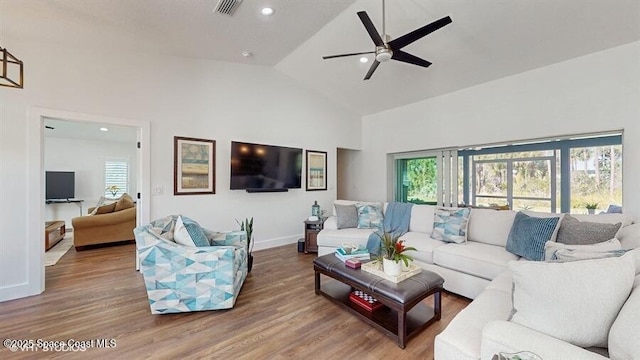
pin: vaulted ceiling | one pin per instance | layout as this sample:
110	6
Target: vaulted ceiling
488	39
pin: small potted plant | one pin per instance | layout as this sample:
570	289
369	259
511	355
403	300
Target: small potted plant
247	226
591	207
392	253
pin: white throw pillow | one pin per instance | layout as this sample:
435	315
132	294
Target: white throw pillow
551	247
189	233
573	301
624	336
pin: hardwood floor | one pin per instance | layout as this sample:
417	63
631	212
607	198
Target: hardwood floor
98	294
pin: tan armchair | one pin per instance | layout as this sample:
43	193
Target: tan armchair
104	228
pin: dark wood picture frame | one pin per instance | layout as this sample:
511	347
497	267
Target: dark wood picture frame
316	166
194	166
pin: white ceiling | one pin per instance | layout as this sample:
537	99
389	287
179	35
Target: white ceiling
89	131
488	39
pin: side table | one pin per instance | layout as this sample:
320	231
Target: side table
311	230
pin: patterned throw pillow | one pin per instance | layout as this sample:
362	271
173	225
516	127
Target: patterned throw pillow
450	225
346	216
369	216
529	234
576	232
189	233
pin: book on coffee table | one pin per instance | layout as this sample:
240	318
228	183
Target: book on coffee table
364	300
362	254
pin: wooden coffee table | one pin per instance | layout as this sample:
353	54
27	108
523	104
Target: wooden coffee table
404	314
53	232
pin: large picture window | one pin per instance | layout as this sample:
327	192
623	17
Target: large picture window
553	175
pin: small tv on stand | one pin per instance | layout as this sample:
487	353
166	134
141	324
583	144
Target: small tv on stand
60	185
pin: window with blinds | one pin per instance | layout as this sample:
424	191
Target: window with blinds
116	178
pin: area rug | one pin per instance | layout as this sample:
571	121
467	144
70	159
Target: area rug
54	254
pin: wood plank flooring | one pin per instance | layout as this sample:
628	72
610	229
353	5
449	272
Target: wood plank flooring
98	294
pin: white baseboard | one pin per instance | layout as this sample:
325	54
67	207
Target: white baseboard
271	243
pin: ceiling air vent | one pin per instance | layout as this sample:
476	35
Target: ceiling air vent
227	7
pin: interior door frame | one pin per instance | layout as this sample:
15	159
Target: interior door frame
35	196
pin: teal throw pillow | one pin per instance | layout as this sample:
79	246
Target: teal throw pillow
189	233
450	225
529	234
370	216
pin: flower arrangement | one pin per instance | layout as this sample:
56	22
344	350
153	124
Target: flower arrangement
113	189
393	249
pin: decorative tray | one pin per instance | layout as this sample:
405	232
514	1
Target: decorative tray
375	268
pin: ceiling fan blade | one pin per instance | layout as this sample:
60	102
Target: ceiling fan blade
417	34
410	59
371	29
373	68
343	55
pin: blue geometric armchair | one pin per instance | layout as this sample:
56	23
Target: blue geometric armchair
181	278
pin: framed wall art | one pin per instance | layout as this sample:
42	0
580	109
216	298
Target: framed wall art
316	170
194	166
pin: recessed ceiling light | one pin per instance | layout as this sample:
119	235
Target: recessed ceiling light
104	129
247	54
266	11
364	59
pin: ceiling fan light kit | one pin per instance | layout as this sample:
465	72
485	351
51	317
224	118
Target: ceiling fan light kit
387	49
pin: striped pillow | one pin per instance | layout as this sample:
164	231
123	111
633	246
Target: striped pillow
529	234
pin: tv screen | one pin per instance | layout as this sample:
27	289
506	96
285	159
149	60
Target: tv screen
60	185
256	166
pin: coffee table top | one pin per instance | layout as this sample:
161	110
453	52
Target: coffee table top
402	292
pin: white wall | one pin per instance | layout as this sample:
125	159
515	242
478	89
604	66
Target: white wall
179	97
86	158
593	93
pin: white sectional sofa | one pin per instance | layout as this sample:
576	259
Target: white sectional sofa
479	270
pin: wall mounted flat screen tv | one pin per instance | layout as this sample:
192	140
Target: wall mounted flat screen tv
265	167
60	185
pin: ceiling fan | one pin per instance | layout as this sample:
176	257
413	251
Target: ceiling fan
387	49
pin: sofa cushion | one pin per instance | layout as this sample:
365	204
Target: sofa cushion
529	234
474	258
98	204
490	226
370	216
346	216
629	236
105	209
422	218
423	243
550	247
505	336
189	233
462	338
335	238
574	231
124	202
577	302
450	225
624	337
